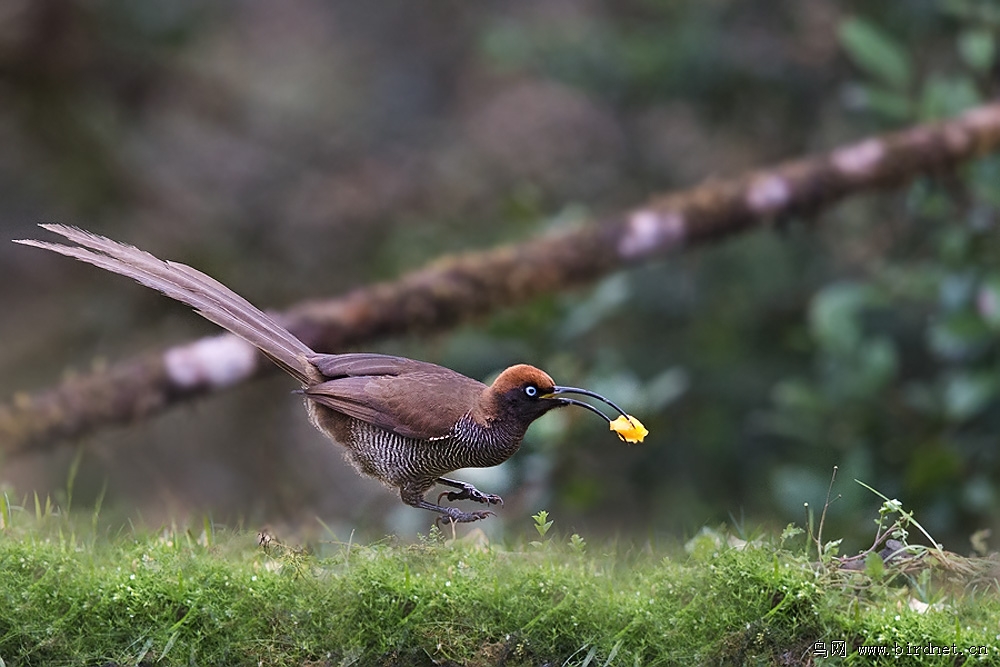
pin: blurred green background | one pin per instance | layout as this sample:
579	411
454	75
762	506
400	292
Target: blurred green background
295	150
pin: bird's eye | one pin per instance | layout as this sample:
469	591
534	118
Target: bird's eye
531	390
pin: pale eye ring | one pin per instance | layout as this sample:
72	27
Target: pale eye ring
531	390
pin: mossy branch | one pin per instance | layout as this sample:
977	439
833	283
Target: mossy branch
459	288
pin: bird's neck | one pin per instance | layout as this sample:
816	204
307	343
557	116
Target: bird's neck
490	444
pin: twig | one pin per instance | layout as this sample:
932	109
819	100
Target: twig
822	516
460	288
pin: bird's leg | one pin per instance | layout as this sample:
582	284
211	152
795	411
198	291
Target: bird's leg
467	492
413	495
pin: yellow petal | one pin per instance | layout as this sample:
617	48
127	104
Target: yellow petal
629	429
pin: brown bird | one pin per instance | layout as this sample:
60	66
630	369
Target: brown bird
406	423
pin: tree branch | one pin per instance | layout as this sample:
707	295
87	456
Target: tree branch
458	288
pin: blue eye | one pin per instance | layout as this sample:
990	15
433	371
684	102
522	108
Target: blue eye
531	390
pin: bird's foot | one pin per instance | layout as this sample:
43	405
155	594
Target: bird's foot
454	515
469	492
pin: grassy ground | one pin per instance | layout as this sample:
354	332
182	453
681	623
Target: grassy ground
213	597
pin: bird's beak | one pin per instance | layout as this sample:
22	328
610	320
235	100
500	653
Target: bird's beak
556	392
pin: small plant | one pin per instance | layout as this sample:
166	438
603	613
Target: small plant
578	544
5	516
542	525
891	544
891	555
433	537
282	557
892	533
44	511
825	552
790	532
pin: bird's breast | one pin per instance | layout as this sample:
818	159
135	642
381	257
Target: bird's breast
397	460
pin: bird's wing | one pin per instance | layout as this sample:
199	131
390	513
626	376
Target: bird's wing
369	364
424	403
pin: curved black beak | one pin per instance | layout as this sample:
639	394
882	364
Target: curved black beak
554	395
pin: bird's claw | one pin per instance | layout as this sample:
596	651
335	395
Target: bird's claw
453	516
473	494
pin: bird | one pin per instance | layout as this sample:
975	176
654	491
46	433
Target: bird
404	422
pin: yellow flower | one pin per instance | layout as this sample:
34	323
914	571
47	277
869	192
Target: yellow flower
629	429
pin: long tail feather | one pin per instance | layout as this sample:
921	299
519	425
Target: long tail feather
210	298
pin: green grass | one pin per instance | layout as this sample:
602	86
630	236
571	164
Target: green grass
217	597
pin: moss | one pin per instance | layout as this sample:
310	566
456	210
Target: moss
170	598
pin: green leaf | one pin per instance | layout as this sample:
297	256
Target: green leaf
988	301
878	362
876	52
960	336
984	174
797	395
5	518
874	565
886	102
790	531
832	548
978	49
945	96
968	394
833	315
541	523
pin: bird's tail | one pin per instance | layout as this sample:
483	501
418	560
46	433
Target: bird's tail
210	298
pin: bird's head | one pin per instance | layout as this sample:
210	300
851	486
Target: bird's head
525	393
